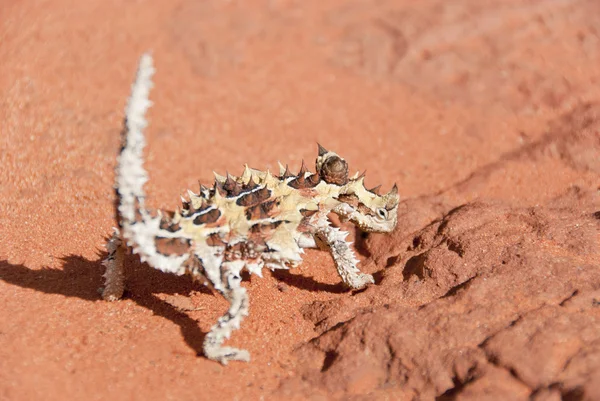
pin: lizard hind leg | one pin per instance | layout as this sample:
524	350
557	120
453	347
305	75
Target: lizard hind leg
229	285
114	276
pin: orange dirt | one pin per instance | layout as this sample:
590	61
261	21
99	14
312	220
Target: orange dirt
486	114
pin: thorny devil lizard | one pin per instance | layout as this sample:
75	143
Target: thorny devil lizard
253	221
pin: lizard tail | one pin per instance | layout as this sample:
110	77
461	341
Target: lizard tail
129	181
130	173
140	229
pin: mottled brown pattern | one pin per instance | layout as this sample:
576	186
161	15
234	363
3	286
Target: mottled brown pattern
246	250
301	182
251	250
208	217
335	171
350	199
172	246
232	187
259	239
167	224
305	224
255	197
260	234
307	213
264	229
185	207
365	210
193	266
215	240
234	252
188	208
262	211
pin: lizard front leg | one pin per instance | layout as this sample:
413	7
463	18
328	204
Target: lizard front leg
228	284
344	258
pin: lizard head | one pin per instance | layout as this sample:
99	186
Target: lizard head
365	208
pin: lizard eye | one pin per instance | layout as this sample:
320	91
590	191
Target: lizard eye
381	212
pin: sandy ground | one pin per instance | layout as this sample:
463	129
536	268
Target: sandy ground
485	113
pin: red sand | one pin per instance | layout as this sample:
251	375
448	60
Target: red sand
493	105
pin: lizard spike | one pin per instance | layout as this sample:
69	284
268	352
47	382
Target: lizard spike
393	191
392	198
287	173
268	178
251	184
303	170
232	187
375	190
185	204
204	191
322	150
281	169
362	175
229	182
218	190
191	194
193	206
219	177
246	174
355	176
313	180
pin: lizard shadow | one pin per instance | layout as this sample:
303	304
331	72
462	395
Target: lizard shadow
307	283
81	278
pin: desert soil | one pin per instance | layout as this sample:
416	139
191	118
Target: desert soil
485	113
